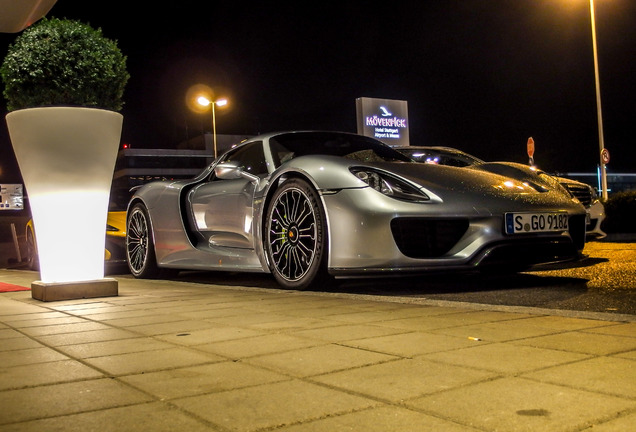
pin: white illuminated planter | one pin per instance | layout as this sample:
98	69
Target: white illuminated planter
67	156
19	14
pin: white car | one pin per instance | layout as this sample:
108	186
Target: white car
587	195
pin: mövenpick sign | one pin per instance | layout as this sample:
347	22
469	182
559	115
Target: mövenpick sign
383	119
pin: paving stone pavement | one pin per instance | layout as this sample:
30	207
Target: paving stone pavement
184	356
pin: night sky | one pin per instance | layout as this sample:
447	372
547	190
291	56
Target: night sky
479	75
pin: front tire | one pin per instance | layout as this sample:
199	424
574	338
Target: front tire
140	248
296	236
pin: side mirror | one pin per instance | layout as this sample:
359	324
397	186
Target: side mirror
230	171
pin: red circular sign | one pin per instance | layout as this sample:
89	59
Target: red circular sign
605	156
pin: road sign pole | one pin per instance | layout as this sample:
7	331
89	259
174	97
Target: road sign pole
599	114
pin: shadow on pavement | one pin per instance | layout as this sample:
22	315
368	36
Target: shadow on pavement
528	289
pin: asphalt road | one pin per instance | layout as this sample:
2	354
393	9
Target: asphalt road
604	281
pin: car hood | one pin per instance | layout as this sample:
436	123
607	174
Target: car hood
454	181
488	182
520	172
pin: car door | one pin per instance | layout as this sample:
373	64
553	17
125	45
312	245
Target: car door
222	209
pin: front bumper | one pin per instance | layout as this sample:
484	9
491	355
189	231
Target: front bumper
371	233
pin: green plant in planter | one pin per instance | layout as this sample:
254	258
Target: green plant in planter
61	62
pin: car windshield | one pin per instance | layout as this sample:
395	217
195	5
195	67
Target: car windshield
288	146
441	156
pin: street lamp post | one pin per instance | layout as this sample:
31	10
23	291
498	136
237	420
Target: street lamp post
599	114
202	100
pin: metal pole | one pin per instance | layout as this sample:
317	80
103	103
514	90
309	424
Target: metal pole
214	128
599	113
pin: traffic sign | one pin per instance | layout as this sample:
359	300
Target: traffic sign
605	156
530	147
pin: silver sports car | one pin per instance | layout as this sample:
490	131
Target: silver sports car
309	206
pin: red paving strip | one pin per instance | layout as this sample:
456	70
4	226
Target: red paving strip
7	287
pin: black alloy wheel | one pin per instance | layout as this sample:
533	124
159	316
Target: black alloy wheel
140	251
296	236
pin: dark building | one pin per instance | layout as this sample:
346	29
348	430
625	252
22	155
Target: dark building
135	167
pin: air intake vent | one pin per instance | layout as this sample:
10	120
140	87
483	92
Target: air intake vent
427	238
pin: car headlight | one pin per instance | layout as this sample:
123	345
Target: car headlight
389	185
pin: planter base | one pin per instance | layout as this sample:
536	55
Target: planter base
43	291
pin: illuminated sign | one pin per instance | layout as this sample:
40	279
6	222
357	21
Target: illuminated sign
11	197
383	119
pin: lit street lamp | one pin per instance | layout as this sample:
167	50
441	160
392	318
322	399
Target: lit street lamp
203	101
599	114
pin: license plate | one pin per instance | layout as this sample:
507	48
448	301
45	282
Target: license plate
520	223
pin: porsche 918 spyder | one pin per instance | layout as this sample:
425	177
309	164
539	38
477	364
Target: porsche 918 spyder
310	206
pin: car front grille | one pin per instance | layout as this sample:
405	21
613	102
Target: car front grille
581	192
427	238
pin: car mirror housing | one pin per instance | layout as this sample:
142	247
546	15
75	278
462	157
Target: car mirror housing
230	171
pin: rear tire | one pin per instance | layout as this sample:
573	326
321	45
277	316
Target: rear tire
140	248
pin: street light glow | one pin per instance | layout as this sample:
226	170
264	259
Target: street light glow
203	101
